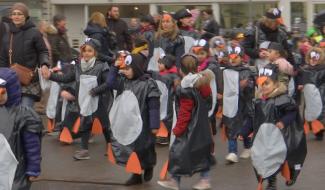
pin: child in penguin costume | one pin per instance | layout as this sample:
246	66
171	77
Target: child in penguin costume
20	136
166	79
206	62
279	142
134	117
238	94
92	95
313	79
190	152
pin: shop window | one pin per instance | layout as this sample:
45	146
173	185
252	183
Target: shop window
126	11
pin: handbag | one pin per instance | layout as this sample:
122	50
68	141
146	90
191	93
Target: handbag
25	74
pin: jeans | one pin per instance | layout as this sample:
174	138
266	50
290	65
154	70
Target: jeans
232	145
27	101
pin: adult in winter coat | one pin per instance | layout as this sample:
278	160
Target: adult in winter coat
28	50
59	41
120	28
268	29
97	29
20	136
168	40
210	26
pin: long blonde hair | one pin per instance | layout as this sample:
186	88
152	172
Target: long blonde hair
98	18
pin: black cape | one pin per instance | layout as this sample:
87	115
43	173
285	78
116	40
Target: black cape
191	152
18	120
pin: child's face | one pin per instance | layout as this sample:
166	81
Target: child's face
313	62
3	96
235	61
268	87
167	24
202	55
128	72
273	55
88	53
161	67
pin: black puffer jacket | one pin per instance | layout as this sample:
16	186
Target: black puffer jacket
120	28
28	47
106	39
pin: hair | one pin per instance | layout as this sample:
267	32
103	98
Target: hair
318	50
98	18
83	47
172	35
207	11
111	7
189	64
266	21
58	18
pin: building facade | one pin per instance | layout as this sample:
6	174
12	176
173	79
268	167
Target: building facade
229	13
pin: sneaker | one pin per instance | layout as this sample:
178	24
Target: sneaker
162	140
232	158
81	155
135	179
169	184
203	184
246	153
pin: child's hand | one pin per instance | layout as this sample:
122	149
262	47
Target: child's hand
219	96
300	87
92	93
279	125
33	178
66	95
46	73
154	131
263	54
240	137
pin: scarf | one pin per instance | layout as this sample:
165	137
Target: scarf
87	65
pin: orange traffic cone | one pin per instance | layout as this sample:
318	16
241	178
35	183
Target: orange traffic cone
223	133
133	165
286	171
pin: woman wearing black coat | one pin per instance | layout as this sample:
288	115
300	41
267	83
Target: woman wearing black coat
97	29
28	50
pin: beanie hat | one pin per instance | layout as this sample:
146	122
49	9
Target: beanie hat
276	46
183	13
93	43
167	60
273	13
147	18
10	81
21	7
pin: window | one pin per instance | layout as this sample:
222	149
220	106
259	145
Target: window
126	11
298	16
233	14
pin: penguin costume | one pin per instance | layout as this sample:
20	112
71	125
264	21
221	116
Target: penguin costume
20	136
134	117
92	95
279	142
313	79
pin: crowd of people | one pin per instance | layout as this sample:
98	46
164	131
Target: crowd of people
162	82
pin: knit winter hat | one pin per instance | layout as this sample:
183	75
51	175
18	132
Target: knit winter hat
167	60
21	7
93	43
183	13
10	81
147	18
